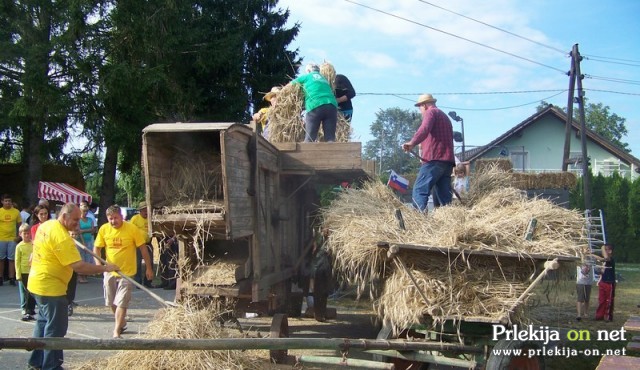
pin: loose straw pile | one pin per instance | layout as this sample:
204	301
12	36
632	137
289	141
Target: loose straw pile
184	322
285	117
329	73
196	176
494	218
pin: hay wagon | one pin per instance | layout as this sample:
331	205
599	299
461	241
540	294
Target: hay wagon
240	207
473	331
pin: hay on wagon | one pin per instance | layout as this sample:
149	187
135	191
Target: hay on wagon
494	218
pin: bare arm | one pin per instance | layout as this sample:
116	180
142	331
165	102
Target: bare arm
147	261
96	250
85	268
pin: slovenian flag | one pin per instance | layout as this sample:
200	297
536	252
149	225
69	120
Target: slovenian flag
398	182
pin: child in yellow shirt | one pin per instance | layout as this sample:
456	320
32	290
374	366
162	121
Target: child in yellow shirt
23	265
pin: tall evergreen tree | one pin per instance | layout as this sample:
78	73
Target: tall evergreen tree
38	66
186	61
616	214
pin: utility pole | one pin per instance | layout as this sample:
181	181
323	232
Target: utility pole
567	130
586	180
575	77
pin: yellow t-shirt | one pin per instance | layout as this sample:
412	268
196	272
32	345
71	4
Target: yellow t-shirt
53	253
23	252
9	220
142	224
120	245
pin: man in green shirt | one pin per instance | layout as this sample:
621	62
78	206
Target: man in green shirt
320	104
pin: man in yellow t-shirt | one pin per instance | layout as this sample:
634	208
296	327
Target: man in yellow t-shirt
141	221
10	219
120	239
55	257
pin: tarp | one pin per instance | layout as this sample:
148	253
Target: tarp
61	192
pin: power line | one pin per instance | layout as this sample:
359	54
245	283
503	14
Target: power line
400	96
611	79
496	28
504	108
458	37
613	92
612	62
610	58
466	93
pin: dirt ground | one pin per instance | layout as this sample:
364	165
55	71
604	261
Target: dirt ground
91	320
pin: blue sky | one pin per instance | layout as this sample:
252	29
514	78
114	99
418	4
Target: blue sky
399	59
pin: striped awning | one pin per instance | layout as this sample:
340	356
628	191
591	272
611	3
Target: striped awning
61	192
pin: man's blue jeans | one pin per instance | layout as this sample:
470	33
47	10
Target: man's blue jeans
433	173
52	321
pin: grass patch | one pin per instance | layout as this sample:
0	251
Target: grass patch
555	306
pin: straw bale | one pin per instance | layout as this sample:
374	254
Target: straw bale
494	218
184	322
486	164
547	180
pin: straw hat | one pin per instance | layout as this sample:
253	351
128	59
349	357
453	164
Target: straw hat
272	93
142	205
425	98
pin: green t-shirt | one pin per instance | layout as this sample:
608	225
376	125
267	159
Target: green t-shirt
317	91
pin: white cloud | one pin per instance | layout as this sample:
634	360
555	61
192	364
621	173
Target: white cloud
375	60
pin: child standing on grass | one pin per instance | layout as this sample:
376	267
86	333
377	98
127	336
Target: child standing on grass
606	285
23	265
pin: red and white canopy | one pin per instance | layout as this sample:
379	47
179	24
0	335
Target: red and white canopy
61	192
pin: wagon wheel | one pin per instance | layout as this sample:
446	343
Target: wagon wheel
279	329
509	362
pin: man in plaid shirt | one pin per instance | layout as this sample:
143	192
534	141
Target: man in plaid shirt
435	136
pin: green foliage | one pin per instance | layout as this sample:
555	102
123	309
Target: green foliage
90	166
392	128
130	187
599	119
615	210
598	195
619	198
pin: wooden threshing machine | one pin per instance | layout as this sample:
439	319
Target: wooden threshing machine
240	207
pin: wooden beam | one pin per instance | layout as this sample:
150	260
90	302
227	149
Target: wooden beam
467	252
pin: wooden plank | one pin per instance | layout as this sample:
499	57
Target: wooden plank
236	177
284	147
187	127
189	217
444	250
632	323
619	363
322	156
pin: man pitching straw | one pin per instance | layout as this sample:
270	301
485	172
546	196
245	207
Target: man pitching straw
55	258
121	239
